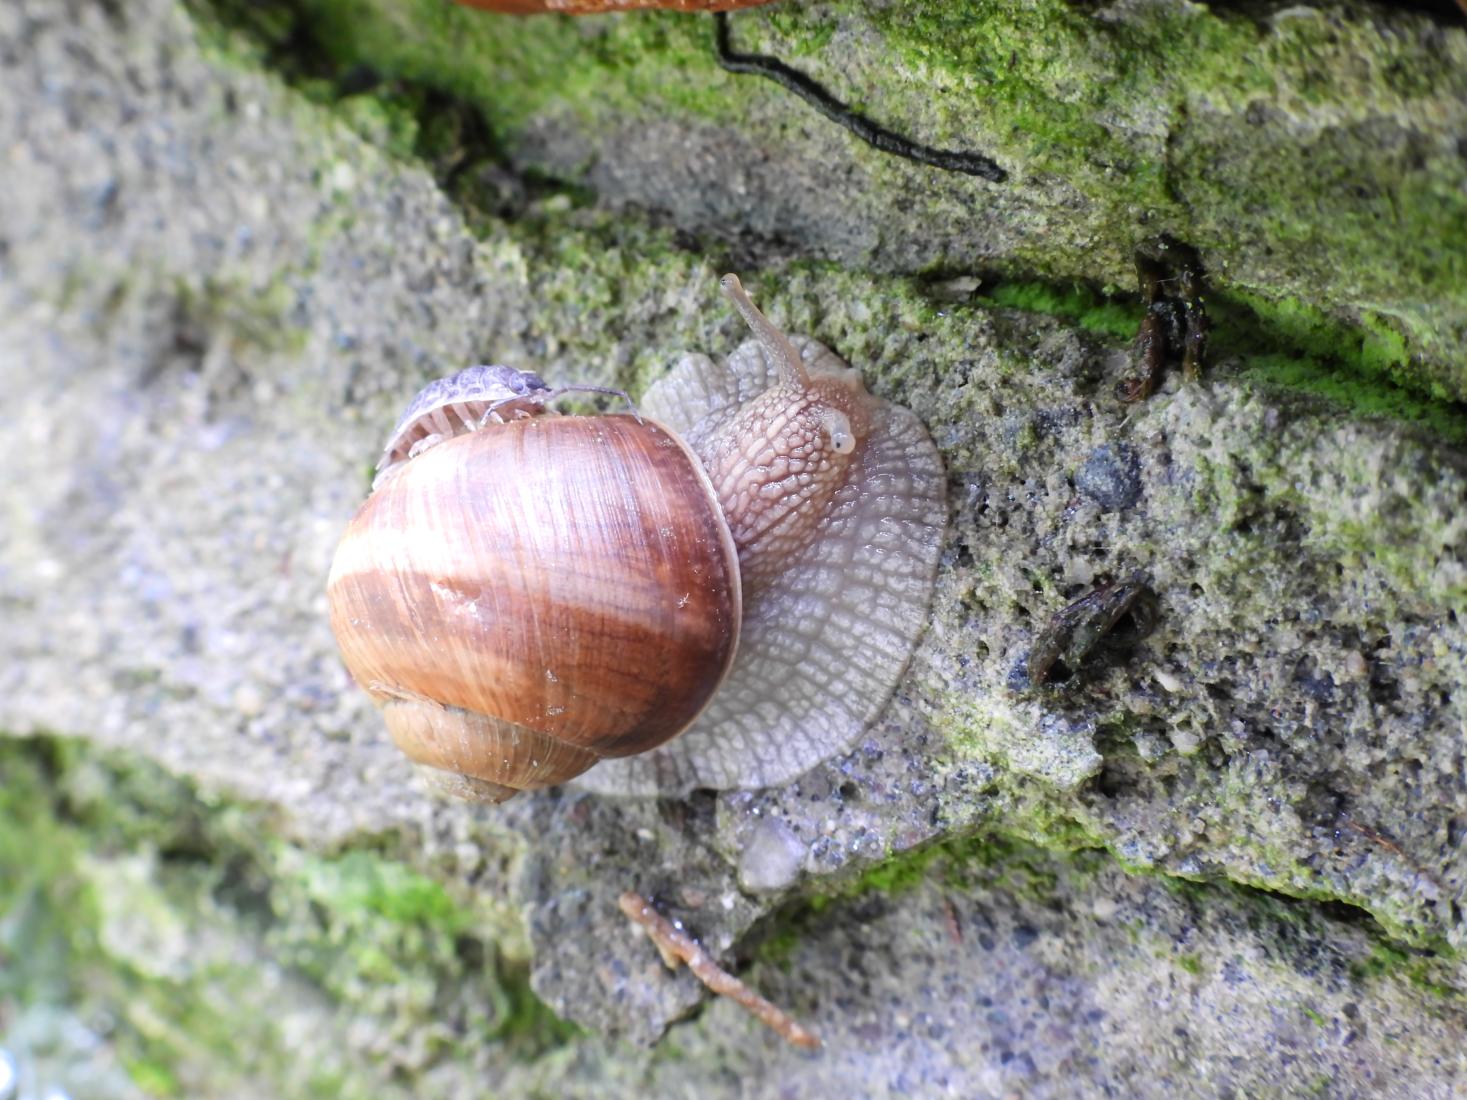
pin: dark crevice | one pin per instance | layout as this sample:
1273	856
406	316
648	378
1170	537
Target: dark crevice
450	135
1239	333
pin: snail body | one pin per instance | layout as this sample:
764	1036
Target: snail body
718	592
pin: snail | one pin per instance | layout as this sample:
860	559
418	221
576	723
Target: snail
717	590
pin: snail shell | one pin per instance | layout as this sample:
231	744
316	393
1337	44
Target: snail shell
747	564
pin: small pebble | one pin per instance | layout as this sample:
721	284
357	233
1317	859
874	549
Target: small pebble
1110	476
249	700
1167	680
773	856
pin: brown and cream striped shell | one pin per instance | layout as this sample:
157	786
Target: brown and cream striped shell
720	592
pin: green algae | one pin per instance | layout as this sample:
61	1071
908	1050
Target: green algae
1283	344
1025	810
127	893
256	316
1007	863
1175	118
512	69
1082	306
987	861
1420	967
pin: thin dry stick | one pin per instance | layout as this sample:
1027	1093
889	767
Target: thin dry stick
676	946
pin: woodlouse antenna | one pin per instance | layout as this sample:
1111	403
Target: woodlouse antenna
610	391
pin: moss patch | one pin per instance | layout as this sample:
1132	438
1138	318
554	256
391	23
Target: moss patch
1420	967
1016	864
1112	316
1003	863
513	70
227	959
1284	344
1183	118
962	864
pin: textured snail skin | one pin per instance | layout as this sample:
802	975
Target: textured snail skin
495	598
831	622
590	7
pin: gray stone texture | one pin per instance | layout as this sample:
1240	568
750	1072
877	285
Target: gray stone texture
215	296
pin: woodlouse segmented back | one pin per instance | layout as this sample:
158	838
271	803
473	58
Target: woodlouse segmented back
460	403
467	401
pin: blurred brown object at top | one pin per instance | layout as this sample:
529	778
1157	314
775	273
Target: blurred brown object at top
590	7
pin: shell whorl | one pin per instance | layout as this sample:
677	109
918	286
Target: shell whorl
567	583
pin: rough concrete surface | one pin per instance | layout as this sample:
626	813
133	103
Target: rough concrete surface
1224	858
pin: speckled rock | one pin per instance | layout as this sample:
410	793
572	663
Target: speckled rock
214	296
1110	476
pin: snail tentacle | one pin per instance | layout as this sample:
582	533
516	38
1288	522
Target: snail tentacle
774	342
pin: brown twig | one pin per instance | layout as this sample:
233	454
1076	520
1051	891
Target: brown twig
1389	845
1370	834
950	914
677	946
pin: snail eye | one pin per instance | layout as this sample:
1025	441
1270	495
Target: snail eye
838	427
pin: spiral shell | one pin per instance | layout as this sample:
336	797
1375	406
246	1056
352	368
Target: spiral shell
526	600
